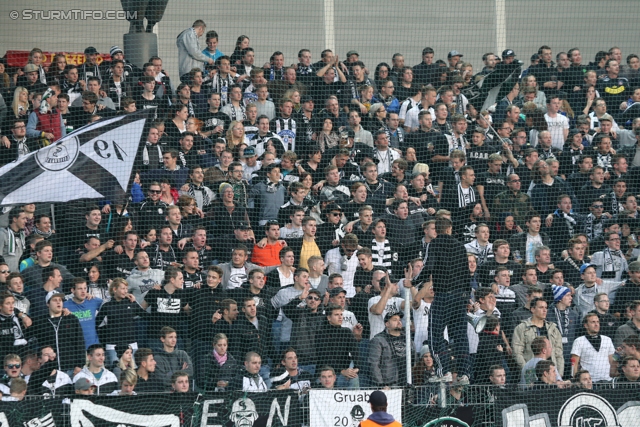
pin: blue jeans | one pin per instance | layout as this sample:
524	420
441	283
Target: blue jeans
347	383
449	310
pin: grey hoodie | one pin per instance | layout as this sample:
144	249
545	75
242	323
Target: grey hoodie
141	281
168	363
189	52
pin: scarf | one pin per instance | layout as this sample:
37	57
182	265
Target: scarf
563	320
220	359
595	341
145	153
200	188
16	329
12	241
609	261
42	233
462	203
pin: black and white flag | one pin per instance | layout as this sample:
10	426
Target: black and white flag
91	163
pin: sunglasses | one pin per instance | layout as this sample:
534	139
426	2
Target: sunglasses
4	271
155	191
313	298
335	213
13	366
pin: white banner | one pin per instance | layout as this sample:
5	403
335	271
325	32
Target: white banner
347	408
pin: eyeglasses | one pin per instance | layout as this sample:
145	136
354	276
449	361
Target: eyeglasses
19	127
4	271
155	191
598	206
313	298
13	366
335	213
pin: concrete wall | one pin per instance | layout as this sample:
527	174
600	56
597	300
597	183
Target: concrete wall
375	28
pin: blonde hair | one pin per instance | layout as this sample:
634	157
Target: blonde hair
129	375
115	283
229	136
126	368
420	168
16	100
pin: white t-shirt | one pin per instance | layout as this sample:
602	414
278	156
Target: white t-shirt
421	321
596	362
376	321
556	126
237	277
349	320
411	119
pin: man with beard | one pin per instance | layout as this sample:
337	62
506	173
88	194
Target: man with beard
387	353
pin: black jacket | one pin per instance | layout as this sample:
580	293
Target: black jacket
204	302
119	329
338	349
450	265
247	338
303	333
212	371
64	335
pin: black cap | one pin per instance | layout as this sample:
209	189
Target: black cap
326	197
90	50
333	206
306	98
378	398
315	291
242	226
535	57
248	152
336	291
508	52
390	314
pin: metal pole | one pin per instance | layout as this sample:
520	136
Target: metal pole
407	327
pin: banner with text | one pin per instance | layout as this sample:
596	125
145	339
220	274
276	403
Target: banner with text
342	408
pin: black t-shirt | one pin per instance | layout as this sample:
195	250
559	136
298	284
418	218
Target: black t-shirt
494	184
212	120
166	309
76	238
478	156
487	271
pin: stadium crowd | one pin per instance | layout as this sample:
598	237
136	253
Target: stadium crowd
278	215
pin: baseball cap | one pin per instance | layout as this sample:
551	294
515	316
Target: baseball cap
634	266
248	152
30	68
306	98
378	398
114	50
390	314
508	52
54	293
333	206
535	57
90	50
242	226
315	291
585	266
606	117
83	384
454	53
352	52
336	291
327	197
